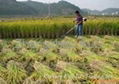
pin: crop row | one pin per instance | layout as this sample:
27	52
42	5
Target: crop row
56	28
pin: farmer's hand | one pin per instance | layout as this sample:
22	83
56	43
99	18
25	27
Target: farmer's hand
84	19
74	21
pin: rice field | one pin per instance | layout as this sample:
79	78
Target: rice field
55	27
32	52
86	60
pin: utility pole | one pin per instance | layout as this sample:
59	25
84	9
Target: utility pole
49	9
29	0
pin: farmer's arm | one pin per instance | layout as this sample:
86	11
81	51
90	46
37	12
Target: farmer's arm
79	22
74	20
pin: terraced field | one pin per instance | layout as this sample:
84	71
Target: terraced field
86	60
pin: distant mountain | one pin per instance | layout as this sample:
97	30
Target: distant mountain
108	11
91	12
12	7
111	11
7	1
62	8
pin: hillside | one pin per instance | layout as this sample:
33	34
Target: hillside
15	8
111	10
92	12
108	11
37	8
7	1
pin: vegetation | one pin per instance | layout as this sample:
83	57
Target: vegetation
33	8
37	28
56	27
15	8
31	59
84	60
62	8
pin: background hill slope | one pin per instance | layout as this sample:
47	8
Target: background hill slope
36	8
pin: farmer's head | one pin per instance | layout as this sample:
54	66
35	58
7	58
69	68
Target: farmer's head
77	13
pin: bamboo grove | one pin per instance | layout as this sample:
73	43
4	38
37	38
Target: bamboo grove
55	27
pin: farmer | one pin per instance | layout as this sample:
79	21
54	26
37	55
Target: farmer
79	24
